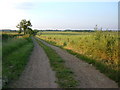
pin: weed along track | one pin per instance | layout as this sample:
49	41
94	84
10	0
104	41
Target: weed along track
64	75
15	57
52	67
59	45
38	73
85	73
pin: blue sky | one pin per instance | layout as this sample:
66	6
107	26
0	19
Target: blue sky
63	15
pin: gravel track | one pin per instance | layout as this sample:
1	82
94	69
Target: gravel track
38	73
85	73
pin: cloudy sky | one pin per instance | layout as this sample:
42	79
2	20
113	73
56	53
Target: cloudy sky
60	14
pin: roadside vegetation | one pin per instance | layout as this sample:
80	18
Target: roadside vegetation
0	61
16	48
15	54
65	77
99	48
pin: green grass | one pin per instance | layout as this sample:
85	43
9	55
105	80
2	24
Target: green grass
12	45
0	62
101	46
111	73
102	67
64	75
13	63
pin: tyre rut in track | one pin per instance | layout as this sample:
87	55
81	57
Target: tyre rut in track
38	73
86	74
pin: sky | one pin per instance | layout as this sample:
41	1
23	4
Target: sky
60	14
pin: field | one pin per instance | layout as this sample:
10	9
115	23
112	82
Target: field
100	47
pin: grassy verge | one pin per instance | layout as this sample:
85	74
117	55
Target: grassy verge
12	45
0	63
64	75
13	63
113	74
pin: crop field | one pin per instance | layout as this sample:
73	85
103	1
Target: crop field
100	46
97	48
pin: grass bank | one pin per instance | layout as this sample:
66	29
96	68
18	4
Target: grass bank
15	56
111	73
12	45
65	77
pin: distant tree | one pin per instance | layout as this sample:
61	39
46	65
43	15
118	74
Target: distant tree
24	25
96	27
35	32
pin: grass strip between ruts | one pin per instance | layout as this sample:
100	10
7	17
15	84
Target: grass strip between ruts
65	77
114	75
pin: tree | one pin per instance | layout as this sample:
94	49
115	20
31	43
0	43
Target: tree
24	25
29	31
96	27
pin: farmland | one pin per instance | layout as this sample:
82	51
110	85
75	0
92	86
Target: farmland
100	48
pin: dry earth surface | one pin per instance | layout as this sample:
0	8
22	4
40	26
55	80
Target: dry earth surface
38	73
85	73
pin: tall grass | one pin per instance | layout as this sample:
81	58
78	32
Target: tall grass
0	62
14	58
99	46
12	45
